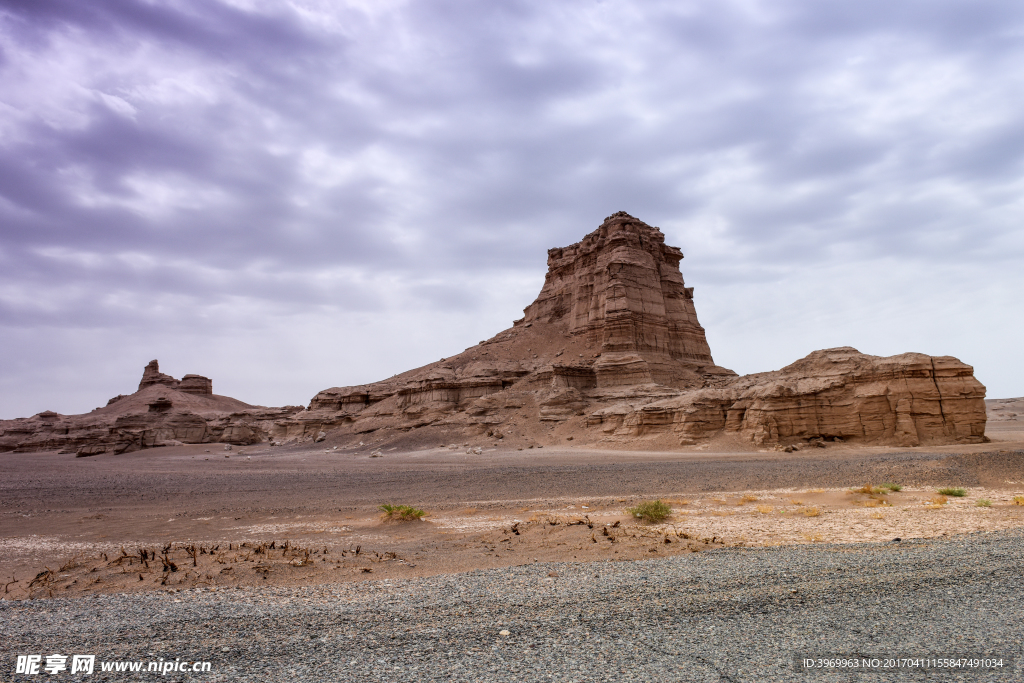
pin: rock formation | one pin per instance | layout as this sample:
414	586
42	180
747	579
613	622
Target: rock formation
621	287
836	394
189	384
610	352
163	411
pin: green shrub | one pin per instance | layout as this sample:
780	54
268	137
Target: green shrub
893	487
650	511
401	513
955	492
983	503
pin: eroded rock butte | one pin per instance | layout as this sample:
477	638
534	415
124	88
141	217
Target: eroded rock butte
611	351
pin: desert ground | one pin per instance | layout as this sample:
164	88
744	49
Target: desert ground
204	516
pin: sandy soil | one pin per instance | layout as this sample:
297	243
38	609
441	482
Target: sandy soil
171	518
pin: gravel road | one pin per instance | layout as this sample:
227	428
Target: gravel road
724	615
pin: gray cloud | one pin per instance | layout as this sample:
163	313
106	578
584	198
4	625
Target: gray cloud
258	174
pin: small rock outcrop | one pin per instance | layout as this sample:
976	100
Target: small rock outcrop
189	384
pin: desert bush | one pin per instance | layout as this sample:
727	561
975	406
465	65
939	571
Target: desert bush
892	487
983	503
1018	500
650	511
954	492
401	513
810	512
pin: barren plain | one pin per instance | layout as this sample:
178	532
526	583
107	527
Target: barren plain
200	515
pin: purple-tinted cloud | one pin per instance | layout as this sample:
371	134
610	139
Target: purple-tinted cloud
263	175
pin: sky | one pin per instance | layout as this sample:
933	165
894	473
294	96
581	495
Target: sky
291	196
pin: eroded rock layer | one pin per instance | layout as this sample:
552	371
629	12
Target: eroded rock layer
610	352
836	394
621	287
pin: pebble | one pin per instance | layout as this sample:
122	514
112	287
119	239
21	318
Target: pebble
735	614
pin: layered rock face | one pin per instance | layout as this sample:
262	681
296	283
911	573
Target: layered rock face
614	317
621	287
836	394
189	384
163	411
610	352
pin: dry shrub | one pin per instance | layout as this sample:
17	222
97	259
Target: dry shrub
650	511
796	501
810	512
747	499
1018	500
401	513
877	515
813	538
765	509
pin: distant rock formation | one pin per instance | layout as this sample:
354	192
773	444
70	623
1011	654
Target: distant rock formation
163	411
190	384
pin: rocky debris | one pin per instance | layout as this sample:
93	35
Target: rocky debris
611	349
163	412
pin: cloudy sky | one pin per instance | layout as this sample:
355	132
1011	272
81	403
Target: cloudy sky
289	196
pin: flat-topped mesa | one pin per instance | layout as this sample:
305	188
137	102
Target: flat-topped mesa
622	287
